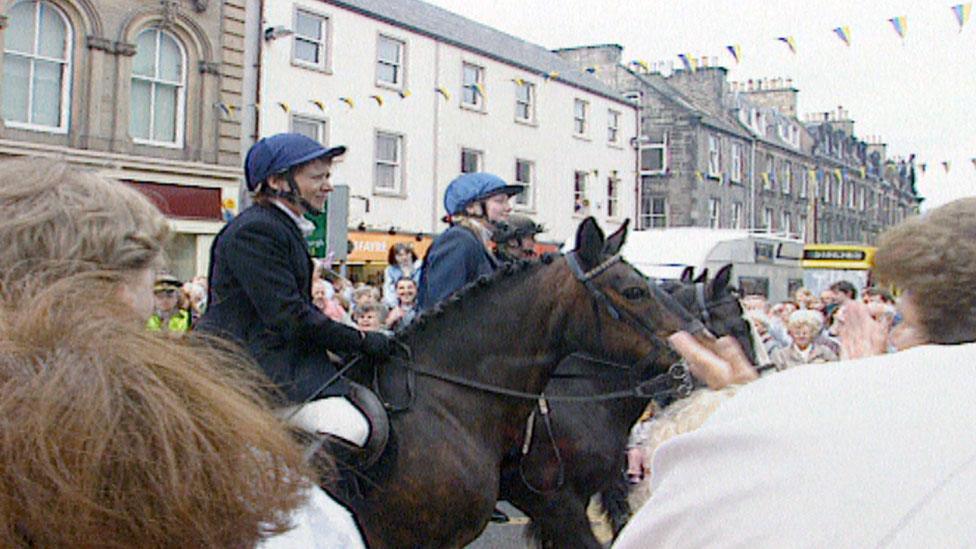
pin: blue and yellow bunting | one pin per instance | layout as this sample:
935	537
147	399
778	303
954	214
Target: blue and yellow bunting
844	33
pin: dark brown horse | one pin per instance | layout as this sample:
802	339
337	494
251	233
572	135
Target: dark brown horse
580	451
438	481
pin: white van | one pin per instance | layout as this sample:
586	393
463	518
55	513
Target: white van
762	263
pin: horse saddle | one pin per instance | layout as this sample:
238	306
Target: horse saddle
348	455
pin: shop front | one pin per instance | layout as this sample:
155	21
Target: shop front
369	254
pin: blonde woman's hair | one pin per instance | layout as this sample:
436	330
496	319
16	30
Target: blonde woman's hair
114	436
57	221
806	317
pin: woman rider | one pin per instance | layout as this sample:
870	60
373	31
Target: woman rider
260	288
475	203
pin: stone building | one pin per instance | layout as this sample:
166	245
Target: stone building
144	91
715	153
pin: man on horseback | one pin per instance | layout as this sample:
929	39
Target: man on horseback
260	288
475	203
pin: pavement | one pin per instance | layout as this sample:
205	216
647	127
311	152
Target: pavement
512	534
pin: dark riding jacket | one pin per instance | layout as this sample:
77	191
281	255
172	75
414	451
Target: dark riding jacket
260	296
457	257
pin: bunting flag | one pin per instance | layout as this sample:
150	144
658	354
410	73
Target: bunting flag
689	61
736	51
946	165
444	93
227	109
812	175
765	178
900	24
378	99
699	176
284	106
592	69
519	81
789	41
404	94
229	203
962	11
838	174
922	167
551	75
480	87
864	172
348	101
844	33
641	64
318	103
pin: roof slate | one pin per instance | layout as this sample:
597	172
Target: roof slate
464	33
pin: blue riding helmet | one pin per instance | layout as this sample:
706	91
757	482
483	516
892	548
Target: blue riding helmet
473	187
280	152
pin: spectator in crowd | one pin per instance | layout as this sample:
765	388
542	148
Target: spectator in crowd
843	291
363	296
804	298
804	327
759	319
320	294
168	315
403	262
515	239
195	295
754	302
371	317
475	203
892	433
875	294
336	305
123	438
406	308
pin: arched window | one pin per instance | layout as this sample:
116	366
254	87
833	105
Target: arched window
37	67
158	89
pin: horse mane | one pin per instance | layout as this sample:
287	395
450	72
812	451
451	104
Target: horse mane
473	289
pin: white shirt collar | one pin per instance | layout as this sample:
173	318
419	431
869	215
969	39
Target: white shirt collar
304	225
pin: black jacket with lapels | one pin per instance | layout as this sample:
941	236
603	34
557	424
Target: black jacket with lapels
260	296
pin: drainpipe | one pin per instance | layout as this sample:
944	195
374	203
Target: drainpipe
752	185
251	84
639	187
437	108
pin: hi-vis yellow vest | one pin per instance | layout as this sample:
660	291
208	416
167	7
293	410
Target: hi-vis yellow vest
180	322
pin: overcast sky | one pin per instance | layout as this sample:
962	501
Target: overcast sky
917	94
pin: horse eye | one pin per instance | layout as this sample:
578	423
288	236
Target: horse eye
635	293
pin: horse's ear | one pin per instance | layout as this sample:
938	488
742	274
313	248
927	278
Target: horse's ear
722	279
703	277
688	275
589	243
616	240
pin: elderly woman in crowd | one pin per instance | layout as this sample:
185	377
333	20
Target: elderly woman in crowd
804	326
124	438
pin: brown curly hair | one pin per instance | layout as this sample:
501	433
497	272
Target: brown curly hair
933	258
114	436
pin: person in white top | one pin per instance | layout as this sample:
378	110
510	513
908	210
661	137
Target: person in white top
876	451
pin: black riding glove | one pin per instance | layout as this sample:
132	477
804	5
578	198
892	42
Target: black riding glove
377	345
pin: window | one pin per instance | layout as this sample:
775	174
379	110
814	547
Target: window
786	180
653	154
714	160
837	192
786	222
388	176
736	175
613	195
580	203
803	228
311	40
158	82
804	184
473	87
714	213
613	126
654	212
736	219
826	188
310	127
37	67
389	62
850	194
470	161
768	219
770	174
524	102
524	175
580	109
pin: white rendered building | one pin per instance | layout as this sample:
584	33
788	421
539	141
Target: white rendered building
419	94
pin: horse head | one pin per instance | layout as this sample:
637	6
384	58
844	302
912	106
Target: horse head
617	312
717	305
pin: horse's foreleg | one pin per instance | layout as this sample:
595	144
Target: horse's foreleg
563	523
615	504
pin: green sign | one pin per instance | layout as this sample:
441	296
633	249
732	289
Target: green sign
316	240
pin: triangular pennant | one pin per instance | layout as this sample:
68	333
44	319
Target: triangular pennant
789	41
844	33
689	61
284	106
962	11
404	94
378	99
348	101
900	24
736	51
318	103
444	93
946	165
